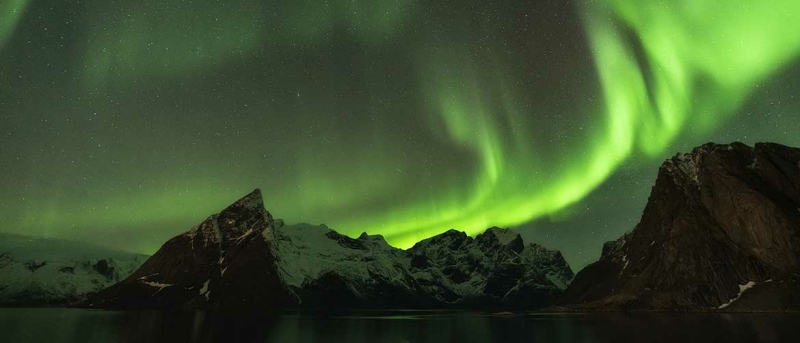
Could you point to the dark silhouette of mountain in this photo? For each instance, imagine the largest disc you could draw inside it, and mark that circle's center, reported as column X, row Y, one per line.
column 719, row 232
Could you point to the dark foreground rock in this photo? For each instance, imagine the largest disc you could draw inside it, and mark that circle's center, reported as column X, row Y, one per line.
column 224, row 261
column 719, row 232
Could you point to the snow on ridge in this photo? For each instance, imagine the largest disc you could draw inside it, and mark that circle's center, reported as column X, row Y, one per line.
column 753, row 165
column 742, row 289
column 306, row 252
column 689, row 165
column 243, row 236
column 627, row 261
column 157, row 284
column 144, row 278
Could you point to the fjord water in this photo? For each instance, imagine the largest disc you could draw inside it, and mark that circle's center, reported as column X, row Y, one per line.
column 78, row 325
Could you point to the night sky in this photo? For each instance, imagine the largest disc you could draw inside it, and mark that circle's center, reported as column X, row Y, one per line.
column 124, row 123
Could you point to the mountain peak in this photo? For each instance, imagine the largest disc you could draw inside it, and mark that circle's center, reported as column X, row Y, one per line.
column 722, row 216
column 504, row 235
column 252, row 201
column 247, row 213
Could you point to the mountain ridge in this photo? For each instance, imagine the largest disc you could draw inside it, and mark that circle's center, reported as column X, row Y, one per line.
column 243, row 257
column 56, row 272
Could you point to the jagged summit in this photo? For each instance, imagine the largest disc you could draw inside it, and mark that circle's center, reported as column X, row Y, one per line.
column 246, row 216
column 224, row 261
column 251, row 205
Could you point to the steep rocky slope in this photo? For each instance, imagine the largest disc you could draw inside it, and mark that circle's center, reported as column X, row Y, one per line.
column 40, row 272
column 224, row 261
column 242, row 258
column 719, row 232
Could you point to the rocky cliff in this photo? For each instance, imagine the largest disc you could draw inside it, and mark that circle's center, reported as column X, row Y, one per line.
column 224, row 261
column 720, row 231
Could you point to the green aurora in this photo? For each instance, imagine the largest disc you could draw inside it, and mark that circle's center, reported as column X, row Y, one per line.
column 695, row 71
column 10, row 12
column 127, row 122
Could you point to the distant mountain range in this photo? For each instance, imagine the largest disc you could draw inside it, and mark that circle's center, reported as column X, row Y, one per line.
column 41, row 271
column 241, row 257
column 720, row 232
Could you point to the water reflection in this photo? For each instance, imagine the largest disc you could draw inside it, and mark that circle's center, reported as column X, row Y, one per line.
column 77, row 325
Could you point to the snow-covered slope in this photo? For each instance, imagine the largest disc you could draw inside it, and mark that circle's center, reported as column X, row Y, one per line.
column 495, row 268
column 325, row 268
column 39, row 271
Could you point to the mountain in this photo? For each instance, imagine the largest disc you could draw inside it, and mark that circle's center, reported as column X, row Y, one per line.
column 495, row 268
column 224, row 261
column 241, row 257
column 40, row 271
column 719, row 232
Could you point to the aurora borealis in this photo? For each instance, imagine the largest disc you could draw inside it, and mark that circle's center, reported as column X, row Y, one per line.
column 125, row 123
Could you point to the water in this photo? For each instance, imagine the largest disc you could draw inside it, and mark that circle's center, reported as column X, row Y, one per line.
column 78, row 325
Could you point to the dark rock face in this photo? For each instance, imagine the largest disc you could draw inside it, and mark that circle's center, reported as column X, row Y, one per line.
column 721, row 226
column 242, row 258
column 224, row 261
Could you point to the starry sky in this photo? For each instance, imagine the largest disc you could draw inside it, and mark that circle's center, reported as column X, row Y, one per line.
column 124, row 123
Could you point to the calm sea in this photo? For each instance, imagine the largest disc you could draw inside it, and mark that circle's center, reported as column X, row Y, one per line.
column 86, row 326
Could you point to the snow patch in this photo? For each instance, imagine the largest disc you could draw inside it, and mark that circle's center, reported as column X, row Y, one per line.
column 204, row 291
column 144, row 278
column 242, row 237
column 624, row 259
column 157, row 284
column 753, row 165
column 742, row 289
column 688, row 164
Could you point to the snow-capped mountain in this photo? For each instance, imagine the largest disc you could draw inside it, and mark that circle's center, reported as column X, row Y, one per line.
column 721, row 231
column 242, row 257
column 495, row 268
column 39, row 271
